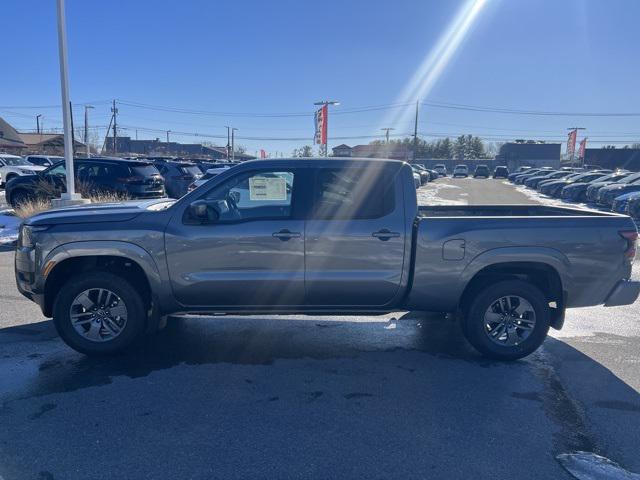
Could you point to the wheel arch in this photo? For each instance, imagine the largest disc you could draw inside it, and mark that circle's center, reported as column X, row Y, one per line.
column 545, row 275
column 121, row 258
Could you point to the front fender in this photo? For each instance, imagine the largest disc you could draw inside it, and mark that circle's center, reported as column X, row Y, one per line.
column 127, row 250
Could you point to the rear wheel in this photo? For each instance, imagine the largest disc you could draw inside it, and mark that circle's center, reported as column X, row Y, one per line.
column 99, row 313
column 507, row 320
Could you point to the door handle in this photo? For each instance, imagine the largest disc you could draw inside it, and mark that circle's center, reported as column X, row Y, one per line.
column 385, row 234
column 285, row 235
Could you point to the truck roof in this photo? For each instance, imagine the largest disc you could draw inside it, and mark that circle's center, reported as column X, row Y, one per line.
column 321, row 161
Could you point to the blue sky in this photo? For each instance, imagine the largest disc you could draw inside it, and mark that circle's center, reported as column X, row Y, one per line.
column 280, row 56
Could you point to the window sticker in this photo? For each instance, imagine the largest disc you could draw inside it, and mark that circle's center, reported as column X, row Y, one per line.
column 267, row 188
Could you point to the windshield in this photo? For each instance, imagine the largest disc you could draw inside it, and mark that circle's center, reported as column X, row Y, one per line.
column 631, row 178
column 15, row 161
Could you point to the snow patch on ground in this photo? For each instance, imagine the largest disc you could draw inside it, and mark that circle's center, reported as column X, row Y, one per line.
column 430, row 195
column 9, row 225
column 544, row 200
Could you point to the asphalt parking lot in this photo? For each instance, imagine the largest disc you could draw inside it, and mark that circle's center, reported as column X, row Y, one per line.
column 399, row 396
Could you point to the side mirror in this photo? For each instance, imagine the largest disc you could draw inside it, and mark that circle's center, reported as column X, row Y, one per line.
column 198, row 209
column 203, row 211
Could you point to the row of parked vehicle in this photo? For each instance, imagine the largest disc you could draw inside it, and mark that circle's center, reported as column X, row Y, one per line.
column 618, row 190
column 481, row 171
column 139, row 178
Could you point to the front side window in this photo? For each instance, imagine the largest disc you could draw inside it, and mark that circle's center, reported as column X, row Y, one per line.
column 353, row 193
column 253, row 195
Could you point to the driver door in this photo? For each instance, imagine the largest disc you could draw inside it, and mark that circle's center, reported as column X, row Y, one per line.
column 247, row 251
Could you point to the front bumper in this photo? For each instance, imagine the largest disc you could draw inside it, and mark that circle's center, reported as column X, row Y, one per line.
column 26, row 279
column 625, row 292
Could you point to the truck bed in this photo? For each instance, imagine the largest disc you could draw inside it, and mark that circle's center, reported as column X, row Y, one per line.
column 507, row 211
column 453, row 243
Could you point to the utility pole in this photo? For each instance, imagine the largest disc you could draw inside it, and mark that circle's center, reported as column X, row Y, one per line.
column 326, row 122
column 115, row 128
column 73, row 131
column 386, row 130
column 228, row 140
column 86, row 128
column 38, row 122
column 233, row 146
column 573, row 153
column 415, row 133
column 70, row 195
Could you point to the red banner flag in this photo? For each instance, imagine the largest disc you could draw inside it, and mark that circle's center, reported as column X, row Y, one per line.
column 320, row 136
column 583, row 147
column 571, row 143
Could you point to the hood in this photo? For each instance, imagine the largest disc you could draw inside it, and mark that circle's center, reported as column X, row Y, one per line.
column 31, row 168
column 93, row 213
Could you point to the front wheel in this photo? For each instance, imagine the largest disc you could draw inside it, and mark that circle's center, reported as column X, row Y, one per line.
column 99, row 313
column 507, row 320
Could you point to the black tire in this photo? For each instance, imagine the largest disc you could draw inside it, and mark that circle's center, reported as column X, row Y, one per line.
column 136, row 313
column 474, row 319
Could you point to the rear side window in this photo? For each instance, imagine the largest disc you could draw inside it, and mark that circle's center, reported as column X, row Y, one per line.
column 145, row 170
column 353, row 193
column 190, row 170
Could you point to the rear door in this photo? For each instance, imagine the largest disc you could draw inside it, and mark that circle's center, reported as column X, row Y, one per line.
column 355, row 236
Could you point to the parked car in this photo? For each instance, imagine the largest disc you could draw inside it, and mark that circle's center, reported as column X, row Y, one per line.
column 519, row 171
column 594, row 190
column 501, row 171
column 520, row 179
column 532, row 182
column 621, row 203
column 606, row 195
column 425, row 176
column 577, row 192
column 44, row 160
column 460, row 171
column 417, row 179
column 178, row 176
column 130, row 178
column 512, row 270
column 558, row 185
column 547, row 186
column 481, row 171
column 633, row 208
column 12, row 166
column 209, row 174
column 441, row 169
column 205, row 165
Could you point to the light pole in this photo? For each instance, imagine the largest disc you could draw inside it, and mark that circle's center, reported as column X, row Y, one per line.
column 326, row 121
column 386, row 130
column 86, row 128
column 228, row 140
column 38, row 122
column 233, row 146
column 70, row 197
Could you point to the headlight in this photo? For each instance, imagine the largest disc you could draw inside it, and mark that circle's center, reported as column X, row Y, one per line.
column 25, row 172
column 28, row 234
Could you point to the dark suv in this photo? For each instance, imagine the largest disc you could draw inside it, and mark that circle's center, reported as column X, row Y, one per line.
column 130, row 178
column 481, row 171
column 501, row 172
column 178, row 175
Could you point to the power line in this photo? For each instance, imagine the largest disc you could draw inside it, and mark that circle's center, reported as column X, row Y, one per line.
column 477, row 108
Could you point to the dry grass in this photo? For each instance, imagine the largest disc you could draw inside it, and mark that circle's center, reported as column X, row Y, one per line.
column 38, row 205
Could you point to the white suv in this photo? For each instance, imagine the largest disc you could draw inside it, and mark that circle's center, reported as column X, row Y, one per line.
column 14, row 166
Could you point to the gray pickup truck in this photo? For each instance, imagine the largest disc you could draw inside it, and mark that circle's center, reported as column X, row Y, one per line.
column 321, row 236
